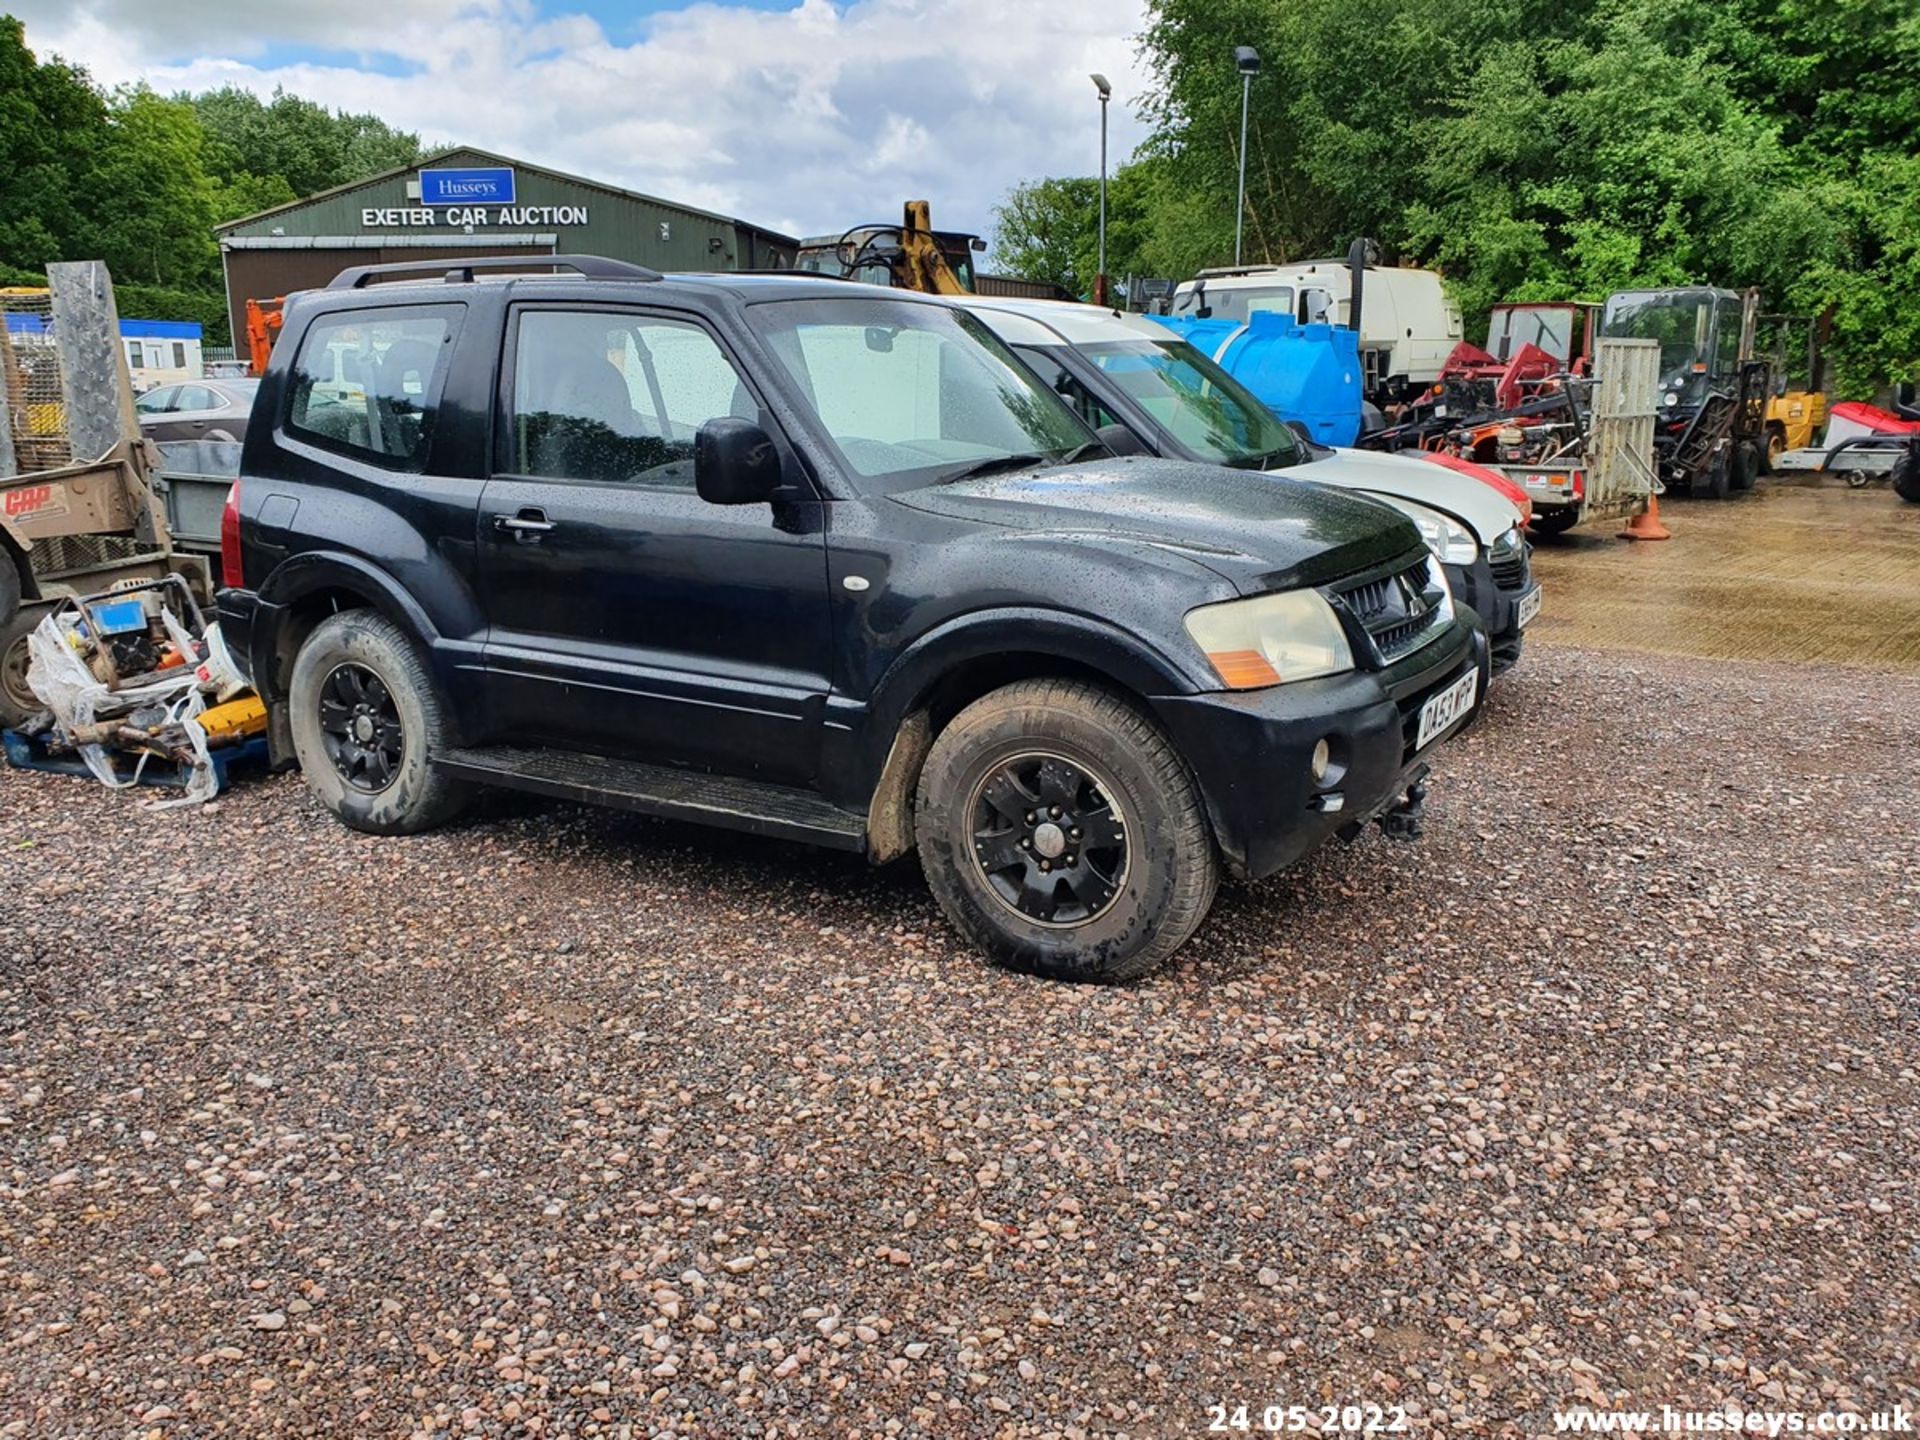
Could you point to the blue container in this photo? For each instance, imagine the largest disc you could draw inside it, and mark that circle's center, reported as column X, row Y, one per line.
column 1309, row 373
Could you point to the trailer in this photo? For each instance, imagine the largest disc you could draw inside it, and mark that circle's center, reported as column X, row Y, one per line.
column 83, row 507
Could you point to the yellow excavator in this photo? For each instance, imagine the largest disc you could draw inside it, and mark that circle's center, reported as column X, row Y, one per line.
column 909, row 256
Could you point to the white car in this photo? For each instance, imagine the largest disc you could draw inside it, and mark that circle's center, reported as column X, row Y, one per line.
column 1170, row 400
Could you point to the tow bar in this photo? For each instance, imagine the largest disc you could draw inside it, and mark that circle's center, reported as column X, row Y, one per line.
column 1401, row 820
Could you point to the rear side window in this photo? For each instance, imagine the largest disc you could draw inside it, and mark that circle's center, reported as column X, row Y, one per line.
column 367, row 382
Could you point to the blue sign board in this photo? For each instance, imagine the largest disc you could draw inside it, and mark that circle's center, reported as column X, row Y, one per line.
column 492, row 186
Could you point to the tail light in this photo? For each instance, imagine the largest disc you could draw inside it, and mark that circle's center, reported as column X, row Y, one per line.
column 233, row 573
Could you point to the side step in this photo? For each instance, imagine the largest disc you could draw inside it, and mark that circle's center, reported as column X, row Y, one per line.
column 733, row 804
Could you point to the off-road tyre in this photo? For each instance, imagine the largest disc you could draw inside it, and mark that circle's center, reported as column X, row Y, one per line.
column 1171, row 869
column 1717, row 479
column 1906, row 475
column 354, row 647
column 1746, row 465
column 18, row 704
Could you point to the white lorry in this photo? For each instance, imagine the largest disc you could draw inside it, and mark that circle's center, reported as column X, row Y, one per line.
column 1406, row 323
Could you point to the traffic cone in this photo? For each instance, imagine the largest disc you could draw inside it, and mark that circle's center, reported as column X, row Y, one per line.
column 1646, row 525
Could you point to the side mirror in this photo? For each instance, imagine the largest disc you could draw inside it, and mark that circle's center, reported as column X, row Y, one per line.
column 735, row 462
column 1120, row 440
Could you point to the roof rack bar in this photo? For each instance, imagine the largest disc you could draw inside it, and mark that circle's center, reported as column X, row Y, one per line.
column 592, row 267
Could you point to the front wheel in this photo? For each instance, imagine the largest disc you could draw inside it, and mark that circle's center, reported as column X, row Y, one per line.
column 366, row 724
column 1717, row 479
column 1062, row 834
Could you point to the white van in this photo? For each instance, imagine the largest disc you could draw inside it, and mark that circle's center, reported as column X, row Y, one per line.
column 1408, row 323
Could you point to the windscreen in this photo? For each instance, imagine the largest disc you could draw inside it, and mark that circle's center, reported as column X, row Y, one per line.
column 1681, row 320
column 1550, row 327
column 1195, row 401
column 1234, row 304
column 910, row 393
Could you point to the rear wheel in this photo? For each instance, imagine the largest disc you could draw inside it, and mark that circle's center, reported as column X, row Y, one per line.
column 1906, row 474
column 366, row 724
column 1062, row 835
column 1776, row 447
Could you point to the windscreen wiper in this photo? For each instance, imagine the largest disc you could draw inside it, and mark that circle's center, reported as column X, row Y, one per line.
column 994, row 465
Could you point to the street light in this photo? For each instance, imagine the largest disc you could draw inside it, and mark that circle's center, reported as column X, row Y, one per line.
column 1100, row 279
column 1247, row 60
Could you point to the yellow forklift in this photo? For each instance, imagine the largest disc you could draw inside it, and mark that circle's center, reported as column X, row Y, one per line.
column 1797, row 399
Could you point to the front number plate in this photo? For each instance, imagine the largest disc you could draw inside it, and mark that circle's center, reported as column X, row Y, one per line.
column 1529, row 607
column 1442, row 711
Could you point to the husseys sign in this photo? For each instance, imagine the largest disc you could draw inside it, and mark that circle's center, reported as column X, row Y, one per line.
column 479, row 195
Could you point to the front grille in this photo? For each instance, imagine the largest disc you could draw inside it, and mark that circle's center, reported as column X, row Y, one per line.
column 1511, row 570
column 1399, row 610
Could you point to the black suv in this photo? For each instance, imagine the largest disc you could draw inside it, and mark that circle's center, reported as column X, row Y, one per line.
column 819, row 561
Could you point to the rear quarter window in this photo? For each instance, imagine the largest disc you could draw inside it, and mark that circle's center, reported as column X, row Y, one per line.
column 367, row 382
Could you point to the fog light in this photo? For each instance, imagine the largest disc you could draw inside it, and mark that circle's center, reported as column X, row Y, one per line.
column 1322, row 758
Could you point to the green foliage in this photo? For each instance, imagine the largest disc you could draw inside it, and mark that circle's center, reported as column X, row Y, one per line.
column 304, row 146
column 1536, row 150
column 139, row 180
column 1050, row 229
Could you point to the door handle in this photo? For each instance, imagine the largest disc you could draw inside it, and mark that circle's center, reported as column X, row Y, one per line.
column 527, row 527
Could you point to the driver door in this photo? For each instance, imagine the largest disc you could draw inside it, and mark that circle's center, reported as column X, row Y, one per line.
column 626, row 615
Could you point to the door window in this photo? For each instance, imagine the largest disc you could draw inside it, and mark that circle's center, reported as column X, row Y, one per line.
column 1066, row 386
column 196, row 397
column 368, row 382
column 617, row 398
column 157, row 402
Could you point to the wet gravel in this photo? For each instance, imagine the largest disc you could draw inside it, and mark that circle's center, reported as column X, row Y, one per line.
column 570, row 1123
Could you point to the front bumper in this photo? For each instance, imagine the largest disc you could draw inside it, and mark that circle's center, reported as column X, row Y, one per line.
column 1502, row 599
column 1252, row 750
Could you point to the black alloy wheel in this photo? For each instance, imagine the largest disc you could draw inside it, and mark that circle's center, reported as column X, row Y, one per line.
column 360, row 726
column 1048, row 840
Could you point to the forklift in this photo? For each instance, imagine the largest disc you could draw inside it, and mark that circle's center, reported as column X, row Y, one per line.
column 1797, row 406
column 1710, row 429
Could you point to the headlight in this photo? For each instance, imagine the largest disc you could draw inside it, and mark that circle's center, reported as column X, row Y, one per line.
column 1271, row 639
column 1450, row 541
column 1507, row 542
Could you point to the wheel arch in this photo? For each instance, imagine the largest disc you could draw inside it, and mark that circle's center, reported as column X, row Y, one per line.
column 305, row 591
column 971, row 657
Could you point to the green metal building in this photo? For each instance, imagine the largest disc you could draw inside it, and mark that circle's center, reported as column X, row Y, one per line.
column 462, row 203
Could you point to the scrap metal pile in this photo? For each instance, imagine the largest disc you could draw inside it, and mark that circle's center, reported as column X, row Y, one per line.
column 132, row 676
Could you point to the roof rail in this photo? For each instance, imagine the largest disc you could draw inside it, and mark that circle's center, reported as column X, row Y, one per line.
column 593, row 267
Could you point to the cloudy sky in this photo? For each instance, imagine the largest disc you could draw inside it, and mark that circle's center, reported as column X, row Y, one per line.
column 806, row 115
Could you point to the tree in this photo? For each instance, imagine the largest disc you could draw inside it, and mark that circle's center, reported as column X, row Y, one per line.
column 307, row 147
column 153, row 210
column 1046, row 231
column 52, row 122
column 1539, row 150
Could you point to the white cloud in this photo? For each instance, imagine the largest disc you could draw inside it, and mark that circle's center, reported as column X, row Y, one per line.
column 808, row 119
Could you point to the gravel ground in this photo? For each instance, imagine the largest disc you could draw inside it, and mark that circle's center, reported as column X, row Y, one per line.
column 570, row 1123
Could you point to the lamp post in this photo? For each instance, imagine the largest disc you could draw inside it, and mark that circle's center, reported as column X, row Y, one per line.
column 1247, row 60
column 1100, row 279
